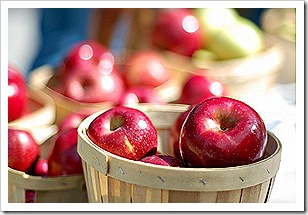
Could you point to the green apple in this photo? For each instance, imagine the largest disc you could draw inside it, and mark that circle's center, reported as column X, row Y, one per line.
column 229, row 35
column 213, row 20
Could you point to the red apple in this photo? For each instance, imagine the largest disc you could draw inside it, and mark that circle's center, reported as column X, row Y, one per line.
column 163, row 160
column 146, row 68
column 64, row 159
column 136, row 95
column 124, row 131
column 17, row 94
column 23, row 150
column 85, row 54
column 30, row 196
column 72, row 120
column 177, row 30
column 89, row 74
column 175, row 130
column 41, row 167
column 198, row 88
column 222, row 132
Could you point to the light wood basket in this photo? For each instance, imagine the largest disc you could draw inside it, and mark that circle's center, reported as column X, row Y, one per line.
column 111, row 178
column 60, row 189
column 41, row 117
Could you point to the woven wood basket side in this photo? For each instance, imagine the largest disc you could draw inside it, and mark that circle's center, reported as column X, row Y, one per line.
column 105, row 189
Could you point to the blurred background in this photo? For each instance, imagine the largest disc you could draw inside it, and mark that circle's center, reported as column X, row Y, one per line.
column 262, row 72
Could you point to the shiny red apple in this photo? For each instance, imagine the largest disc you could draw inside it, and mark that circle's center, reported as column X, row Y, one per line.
column 124, row 131
column 198, row 88
column 23, row 150
column 222, row 132
column 137, row 95
column 89, row 74
column 146, row 68
column 85, row 53
column 64, row 159
column 17, row 94
column 163, row 160
column 41, row 167
column 177, row 30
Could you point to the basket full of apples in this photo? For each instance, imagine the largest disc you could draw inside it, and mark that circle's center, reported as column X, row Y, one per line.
column 49, row 172
column 215, row 151
column 91, row 78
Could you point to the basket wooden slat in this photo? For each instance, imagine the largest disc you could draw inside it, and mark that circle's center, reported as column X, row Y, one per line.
column 116, row 179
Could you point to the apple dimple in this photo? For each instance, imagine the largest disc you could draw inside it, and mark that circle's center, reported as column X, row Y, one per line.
column 116, row 122
column 226, row 120
column 86, row 82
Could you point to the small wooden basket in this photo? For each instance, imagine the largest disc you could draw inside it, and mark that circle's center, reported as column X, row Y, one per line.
column 110, row 178
column 60, row 189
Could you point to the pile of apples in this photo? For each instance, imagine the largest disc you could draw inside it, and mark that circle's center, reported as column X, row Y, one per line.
column 90, row 74
column 217, row 132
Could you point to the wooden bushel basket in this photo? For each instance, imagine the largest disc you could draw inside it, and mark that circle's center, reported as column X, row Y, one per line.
column 61, row 189
column 110, row 178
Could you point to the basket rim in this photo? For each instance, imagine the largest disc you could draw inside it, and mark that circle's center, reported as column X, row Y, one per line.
column 197, row 179
column 31, row 182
